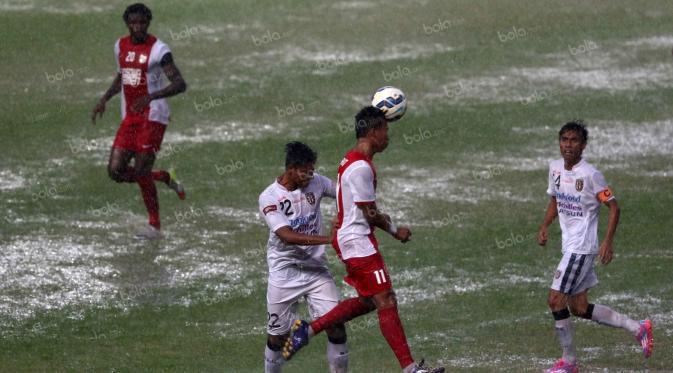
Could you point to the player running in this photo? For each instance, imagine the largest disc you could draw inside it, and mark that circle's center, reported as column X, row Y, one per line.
column 577, row 191
column 296, row 256
column 357, row 247
column 141, row 59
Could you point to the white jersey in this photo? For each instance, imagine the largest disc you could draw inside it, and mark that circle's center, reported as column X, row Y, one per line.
column 300, row 210
column 579, row 194
column 356, row 184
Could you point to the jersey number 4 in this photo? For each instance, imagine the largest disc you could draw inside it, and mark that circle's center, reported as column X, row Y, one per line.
column 557, row 181
column 380, row 276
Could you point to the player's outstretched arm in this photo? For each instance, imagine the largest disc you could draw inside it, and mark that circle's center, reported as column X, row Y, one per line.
column 288, row 236
column 115, row 88
column 549, row 217
column 178, row 84
column 605, row 252
column 383, row 221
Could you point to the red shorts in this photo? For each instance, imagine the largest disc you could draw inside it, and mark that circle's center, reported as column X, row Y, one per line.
column 139, row 135
column 368, row 275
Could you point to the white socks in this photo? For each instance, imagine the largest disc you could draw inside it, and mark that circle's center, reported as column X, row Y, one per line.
column 565, row 337
column 409, row 368
column 337, row 357
column 606, row 316
column 273, row 361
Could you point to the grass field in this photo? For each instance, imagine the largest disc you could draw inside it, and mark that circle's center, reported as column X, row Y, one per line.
column 489, row 85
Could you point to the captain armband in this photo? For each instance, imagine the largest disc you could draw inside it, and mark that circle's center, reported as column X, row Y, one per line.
column 605, row 196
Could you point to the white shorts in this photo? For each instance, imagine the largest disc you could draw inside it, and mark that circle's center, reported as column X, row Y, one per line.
column 320, row 293
column 575, row 273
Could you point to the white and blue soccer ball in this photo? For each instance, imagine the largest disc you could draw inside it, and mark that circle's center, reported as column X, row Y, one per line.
column 392, row 101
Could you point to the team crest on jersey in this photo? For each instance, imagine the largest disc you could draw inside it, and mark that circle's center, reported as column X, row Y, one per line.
column 142, row 58
column 557, row 274
column 579, row 184
column 310, row 197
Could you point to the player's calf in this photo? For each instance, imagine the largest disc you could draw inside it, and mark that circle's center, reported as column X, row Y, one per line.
column 122, row 174
column 386, row 299
column 584, row 311
column 273, row 358
column 337, row 349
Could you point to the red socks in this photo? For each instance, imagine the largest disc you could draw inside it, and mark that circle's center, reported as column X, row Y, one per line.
column 162, row 176
column 391, row 328
column 344, row 311
column 149, row 192
column 389, row 322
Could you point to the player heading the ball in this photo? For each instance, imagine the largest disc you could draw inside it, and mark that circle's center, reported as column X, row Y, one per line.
column 357, row 246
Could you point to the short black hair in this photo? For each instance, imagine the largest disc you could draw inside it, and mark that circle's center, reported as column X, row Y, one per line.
column 137, row 8
column 298, row 154
column 367, row 119
column 577, row 126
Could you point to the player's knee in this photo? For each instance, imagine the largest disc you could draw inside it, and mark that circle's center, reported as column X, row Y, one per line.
column 368, row 302
column 275, row 342
column 555, row 303
column 575, row 309
column 584, row 311
column 337, row 334
column 115, row 174
column 385, row 300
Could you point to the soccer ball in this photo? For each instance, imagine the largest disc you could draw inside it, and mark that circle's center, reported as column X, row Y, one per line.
column 392, row 101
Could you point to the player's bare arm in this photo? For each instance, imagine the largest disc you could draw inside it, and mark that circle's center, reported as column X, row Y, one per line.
column 383, row 221
column 178, row 84
column 115, row 88
column 605, row 252
column 549, row 217
column 288, row 236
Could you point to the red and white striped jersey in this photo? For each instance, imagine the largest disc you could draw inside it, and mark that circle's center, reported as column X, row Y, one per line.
column 356, row 184
column 141, row 73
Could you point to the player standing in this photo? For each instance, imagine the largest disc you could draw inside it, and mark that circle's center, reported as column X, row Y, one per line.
column 577, row 191
column 296, row 256
column 141, row 59
column 357, row 246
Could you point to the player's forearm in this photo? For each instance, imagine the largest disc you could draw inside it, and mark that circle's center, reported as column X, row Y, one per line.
column 294, row 238
column 613, row 221
column 115, row 88
column 380, row 220
column 551, row 214
column 383, row 221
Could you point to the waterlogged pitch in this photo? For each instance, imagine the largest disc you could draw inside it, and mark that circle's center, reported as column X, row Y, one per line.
column 488, row 86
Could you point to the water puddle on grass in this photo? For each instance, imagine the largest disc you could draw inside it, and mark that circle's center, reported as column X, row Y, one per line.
column 9, row 180
column 331, row 56
column 77, row 7
column 223, row 132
